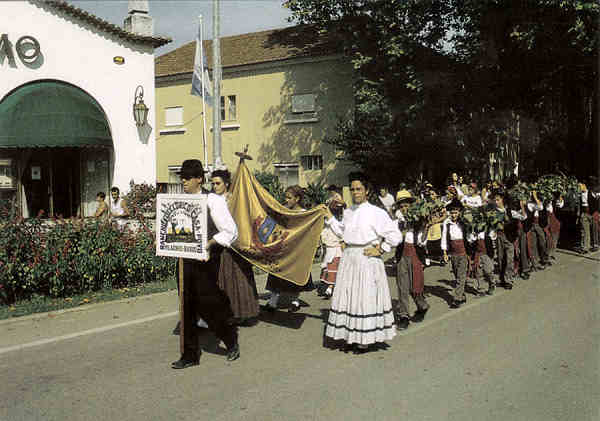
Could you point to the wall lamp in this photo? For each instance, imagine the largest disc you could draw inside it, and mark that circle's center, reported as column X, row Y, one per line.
column 140, row 110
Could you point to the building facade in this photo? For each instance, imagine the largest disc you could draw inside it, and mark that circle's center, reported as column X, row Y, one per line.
column 67, row 129
column 282, row 93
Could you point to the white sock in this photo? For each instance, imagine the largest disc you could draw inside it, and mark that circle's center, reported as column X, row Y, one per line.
column 201, row 323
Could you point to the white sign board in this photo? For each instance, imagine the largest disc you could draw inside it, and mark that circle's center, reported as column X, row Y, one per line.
column 181, row 226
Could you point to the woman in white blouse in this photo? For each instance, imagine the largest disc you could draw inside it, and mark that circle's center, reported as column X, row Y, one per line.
column 361, row 308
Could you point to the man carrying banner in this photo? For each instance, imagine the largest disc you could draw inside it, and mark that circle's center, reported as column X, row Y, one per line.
column 201, row 295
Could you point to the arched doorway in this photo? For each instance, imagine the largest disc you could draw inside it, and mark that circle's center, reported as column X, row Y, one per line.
column 55, row 149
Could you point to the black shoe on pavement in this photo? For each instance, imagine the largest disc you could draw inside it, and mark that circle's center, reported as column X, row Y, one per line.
column 268, row 308
column 506, row 285
column 525, row 275
column 177, row 329
column 403, row 323
column 491, row 290
column 594, row 249
column 184, row 363
column 419, row 315
column 458, row 303
column 234, row 353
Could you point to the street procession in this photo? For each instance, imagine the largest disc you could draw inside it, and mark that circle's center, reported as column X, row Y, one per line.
column 299, row 210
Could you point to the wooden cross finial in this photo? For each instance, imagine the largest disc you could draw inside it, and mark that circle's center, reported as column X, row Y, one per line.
column 244, row 155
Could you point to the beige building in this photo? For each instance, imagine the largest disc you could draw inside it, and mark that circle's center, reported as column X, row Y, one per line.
column 282, row 93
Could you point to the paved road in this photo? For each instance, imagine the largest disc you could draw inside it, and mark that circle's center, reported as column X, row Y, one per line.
column 527, row 354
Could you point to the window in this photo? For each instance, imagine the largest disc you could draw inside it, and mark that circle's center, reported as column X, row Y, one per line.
column 7, row 176
column 303, row 104
column 228, row 108
column 287, row 173
column 312, row 162
column 174, row 116
column 174, row 186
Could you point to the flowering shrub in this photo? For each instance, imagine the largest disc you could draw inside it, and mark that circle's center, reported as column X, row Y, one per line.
column 141, row 198
column 68, row 257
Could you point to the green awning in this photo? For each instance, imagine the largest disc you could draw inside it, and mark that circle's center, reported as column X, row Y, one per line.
column 50, row 114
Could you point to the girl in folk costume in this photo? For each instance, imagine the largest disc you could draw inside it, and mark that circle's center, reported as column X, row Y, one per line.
column 536, row 237
column 333, row 244
column 236, row 277
column 278, row 286
column 361, row 307
column 522, row 264
column 453, row 241
column 409, row 274
column 594, row 202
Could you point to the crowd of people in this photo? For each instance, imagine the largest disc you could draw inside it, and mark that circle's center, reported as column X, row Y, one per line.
column 493, row 235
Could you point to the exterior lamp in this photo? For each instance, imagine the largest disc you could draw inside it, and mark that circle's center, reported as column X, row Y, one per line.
column 140, row 110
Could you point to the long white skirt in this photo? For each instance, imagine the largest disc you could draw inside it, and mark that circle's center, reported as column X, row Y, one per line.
column 361, row 306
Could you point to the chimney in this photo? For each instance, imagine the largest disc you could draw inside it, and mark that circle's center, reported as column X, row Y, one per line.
column 138, row 20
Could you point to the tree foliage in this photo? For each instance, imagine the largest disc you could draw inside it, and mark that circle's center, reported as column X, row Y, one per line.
column 457, row 79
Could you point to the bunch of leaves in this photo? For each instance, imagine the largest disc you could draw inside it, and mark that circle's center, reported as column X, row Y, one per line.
column 315, row 194
column 495, row 219
column 141, row 198
column 271, row 183
column 518, row 192
column 475, row 220
column 423, row 211
column 549, row 185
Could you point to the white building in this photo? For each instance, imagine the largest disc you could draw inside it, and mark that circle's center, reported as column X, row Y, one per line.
column 67, row 129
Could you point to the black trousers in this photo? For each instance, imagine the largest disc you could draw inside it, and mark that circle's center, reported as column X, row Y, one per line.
column 203, row 298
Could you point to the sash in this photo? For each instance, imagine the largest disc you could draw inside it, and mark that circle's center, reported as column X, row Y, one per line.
column 418, row 278
column 457, row 248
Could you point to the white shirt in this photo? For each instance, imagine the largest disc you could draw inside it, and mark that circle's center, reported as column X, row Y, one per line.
column 534, row 208
column 472, row 201
column 388, row 201
column 220, row 215
column 115, row 207
column 472, row 237
column 453, row 229
column 559, row 204
column 366, row 224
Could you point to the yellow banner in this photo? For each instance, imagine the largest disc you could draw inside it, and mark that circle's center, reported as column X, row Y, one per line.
column 274, row 238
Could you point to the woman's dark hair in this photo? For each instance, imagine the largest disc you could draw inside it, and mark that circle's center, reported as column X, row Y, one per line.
column 101, row 194
column 115, row 189
column 224, row 175
column 296, row 190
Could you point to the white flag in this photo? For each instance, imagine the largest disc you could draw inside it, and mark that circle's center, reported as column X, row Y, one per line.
column 201, row 85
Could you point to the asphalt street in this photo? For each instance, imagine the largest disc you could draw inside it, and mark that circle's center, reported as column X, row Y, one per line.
column 531, row 353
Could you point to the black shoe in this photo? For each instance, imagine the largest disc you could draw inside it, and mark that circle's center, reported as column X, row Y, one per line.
column 177, row 329
column 458, row 303
column 420, row 315
column 403, row 323
column 491, row 290
column 525, row 275
column 506, row 285
column 358, row 350
column 268, row 308
column 294, row 307
column 184, row 363
column 594, row 249
column 234, row 353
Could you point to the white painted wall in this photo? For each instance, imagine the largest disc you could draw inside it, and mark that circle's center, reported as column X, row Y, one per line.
column 81, row 55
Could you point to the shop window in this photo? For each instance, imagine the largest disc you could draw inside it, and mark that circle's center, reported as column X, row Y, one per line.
column 312, row 162
column 287, row 173
column 7, row 174
column 174, row 116
column 228, row 108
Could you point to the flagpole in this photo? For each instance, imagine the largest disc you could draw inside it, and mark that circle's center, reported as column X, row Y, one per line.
column 216, row 86
column 203, row 89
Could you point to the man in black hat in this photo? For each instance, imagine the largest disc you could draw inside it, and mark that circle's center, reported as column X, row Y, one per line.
column 201, row 294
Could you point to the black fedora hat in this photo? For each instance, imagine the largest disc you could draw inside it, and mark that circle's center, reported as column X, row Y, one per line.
column 191, row 168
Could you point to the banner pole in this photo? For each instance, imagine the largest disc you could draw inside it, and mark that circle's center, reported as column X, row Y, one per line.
column 181, row 308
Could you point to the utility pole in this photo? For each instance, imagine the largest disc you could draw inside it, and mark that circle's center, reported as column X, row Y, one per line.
column 217, row 86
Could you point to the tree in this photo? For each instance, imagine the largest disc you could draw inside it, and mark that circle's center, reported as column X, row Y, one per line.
column 452, row 78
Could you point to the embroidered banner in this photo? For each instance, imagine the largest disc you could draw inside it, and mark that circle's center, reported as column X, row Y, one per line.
column 181, row 225
column 278, row 240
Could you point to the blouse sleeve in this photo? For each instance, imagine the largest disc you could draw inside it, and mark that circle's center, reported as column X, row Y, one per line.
column 388, row 230
column 226, row 227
